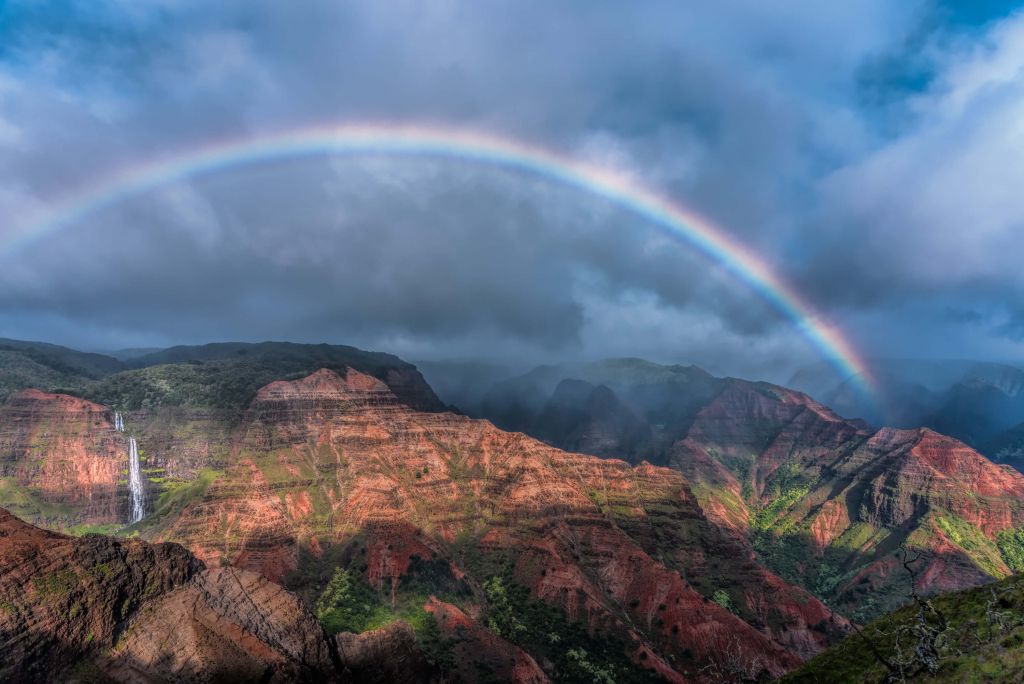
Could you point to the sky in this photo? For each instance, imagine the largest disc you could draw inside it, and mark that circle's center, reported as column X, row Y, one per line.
column 870, row 153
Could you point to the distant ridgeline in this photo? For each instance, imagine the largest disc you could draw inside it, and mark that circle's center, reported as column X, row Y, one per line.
column 218, row 376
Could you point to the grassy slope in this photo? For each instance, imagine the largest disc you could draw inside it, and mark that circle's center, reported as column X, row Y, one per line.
column 969, row 652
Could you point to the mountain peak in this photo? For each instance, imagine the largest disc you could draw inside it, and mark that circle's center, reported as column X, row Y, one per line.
column 326, row 384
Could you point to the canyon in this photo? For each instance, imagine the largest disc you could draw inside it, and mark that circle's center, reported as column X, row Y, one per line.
column 823, row 500
column 767, row 522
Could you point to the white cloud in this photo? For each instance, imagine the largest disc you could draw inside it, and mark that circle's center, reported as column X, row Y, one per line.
column 941, row 206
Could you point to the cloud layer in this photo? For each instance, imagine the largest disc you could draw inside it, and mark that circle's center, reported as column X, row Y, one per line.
column 871, row 154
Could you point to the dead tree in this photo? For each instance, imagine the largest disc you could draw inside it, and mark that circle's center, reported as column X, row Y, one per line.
column 996, row 619
column 926, row 634
column 928, row 628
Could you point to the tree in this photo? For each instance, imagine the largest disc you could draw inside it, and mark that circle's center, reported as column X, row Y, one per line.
column 924, row 636
column 501, row 615
column 346, row 604
column 722, row 598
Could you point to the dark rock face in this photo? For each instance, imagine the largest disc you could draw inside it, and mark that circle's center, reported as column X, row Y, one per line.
column 389, row 655
column 225, row 625
column 64, row 600
column 116, row 610
column 591, row 420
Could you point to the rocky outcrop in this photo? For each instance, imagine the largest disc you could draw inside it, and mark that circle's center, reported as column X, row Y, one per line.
column 121, row 610
column 225, row 625
column 65, row 600
column 479, row 649
column 388, row 655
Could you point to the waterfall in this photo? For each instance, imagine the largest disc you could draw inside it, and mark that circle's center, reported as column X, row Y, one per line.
column 135, row 480
column 118, row 421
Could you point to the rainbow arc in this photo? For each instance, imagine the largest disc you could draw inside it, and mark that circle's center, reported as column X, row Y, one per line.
column 669, row 217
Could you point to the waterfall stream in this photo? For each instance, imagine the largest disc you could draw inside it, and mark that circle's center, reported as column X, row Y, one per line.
column 134, row 473
column 135, row 481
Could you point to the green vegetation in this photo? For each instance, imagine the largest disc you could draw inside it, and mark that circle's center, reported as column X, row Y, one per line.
column 501, row 614
column 225, row 376
column 348, row 604
column 1011, row 546
column 109, row 530
column 979, row 548
column 55, row 584
column 48, row 366
column 764, row 519
column 984, row 641
column 178, row 493
column 546, row 633
column 785, row 550
column 101, row 571
column 590, row 670
column 722, row 598
column 22, row 502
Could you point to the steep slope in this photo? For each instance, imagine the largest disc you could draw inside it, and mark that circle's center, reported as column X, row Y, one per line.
column 827, row 501
column 591, row 420
column 61, row 460
column 97, row 609
column 334, row 471
column 982, row 641
column 824, row 501
column 41, row 365
column 329, row 461
column 969, row 400
column 62, row 599
column 647, row 406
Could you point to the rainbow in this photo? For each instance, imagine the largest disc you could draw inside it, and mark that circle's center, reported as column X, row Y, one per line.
column 674, row 220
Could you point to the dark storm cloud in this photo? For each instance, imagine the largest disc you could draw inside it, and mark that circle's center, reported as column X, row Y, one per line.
column 752, row 113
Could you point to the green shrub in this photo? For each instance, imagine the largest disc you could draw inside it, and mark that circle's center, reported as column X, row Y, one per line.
column 347, row 604
column 722, row 598
column 501, row 616
column 1011, row 547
